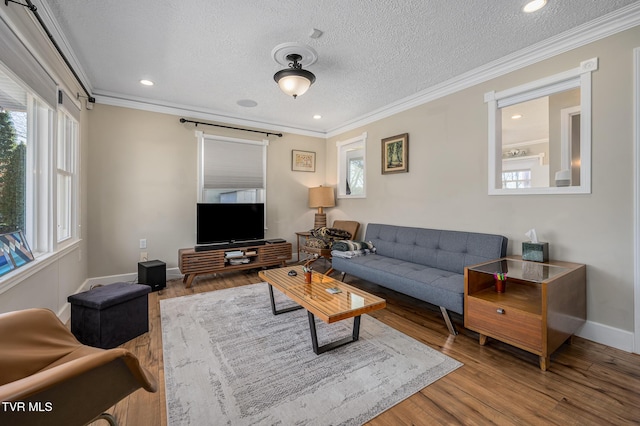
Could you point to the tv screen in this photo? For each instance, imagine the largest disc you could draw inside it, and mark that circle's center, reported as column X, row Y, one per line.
column 223, row 223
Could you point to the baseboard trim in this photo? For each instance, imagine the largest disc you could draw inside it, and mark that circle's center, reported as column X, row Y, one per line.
column 607, row 335
column 65, row 312
column 596, row 332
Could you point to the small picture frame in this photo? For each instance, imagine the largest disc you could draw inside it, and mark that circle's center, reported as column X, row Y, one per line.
column 395, row 154
column 303, row 161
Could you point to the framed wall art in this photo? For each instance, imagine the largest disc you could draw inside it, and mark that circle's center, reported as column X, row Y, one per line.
column 303, row 161
column 395, row 154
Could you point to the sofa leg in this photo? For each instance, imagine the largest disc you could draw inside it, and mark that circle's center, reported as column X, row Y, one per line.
column 342, row 275
column 447, row 320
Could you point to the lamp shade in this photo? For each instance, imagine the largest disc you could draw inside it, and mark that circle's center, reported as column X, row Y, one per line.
column 321, row 196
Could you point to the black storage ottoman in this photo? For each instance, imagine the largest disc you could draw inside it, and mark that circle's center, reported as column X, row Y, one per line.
column 108, row 316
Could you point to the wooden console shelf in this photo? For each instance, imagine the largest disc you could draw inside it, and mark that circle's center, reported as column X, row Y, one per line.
column 542, row 306
column 193, row 263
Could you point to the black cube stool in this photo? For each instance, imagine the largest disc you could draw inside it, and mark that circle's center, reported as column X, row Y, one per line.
column 108, row 316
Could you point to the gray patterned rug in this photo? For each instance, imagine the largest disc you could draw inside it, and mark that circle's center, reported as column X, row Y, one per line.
column 229, row 361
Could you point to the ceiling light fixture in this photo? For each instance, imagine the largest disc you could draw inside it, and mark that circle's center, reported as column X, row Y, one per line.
column 317, row 117
column 146, row 82
column 294, row 81
column 534, row 5
column 516, row 116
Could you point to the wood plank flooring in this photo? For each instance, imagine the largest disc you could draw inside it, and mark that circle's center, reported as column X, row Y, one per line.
column 586, row 384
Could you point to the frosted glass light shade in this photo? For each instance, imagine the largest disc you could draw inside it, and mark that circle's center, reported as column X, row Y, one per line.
column 294, row 85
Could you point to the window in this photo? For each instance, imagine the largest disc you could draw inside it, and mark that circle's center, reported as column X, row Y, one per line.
column 25, row 141
column 231, row 170
column 352, row 167
column 67, row 179
column 516, row 179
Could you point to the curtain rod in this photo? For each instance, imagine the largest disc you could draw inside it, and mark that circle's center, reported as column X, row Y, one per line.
column 184, row 120
column 34, row 10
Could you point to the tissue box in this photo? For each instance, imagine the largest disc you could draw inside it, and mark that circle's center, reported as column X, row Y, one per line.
column 535, row 252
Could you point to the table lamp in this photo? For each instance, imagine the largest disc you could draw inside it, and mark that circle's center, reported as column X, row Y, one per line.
column 321, row 197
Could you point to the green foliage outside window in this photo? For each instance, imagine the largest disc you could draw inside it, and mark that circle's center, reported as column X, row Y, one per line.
column 12, row 177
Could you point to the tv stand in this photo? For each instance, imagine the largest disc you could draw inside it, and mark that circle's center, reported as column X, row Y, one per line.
column 258, row 254
column 231, row 244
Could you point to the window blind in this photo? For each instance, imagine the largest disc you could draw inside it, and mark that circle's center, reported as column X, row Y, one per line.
column 233, row 164
column 15, row 56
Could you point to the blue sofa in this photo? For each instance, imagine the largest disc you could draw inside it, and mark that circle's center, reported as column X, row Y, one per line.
column 427, row 264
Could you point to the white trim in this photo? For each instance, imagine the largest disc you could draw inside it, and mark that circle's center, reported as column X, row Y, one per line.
column 565, row 135
column 579, row 77
column 636, row 198
column 605, row 26
column 607, row 335
column 597, row 29
column 114, row 99
column 341, row 188
column 19, row 275
column 64, row 313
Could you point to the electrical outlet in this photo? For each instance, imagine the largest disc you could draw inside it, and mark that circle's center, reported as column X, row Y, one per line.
column 143, row 243
column 144, row 256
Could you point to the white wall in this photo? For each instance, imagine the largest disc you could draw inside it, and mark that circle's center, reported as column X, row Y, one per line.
column 48, row 281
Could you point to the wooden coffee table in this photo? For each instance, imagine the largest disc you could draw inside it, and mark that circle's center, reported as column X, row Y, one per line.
column 350, row 302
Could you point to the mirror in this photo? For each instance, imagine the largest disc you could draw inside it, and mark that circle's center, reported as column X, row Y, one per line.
column 540, row 135
column 352, row 167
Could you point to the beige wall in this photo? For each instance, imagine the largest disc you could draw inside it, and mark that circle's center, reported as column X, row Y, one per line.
column 142, row 181
column 447, row 183
column 142, row 184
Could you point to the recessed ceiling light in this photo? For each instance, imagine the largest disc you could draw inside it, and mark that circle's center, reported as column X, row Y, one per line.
column 516, row 116
column 317, row 116
column 534, row 5
column 146, row 82
column 247, row 103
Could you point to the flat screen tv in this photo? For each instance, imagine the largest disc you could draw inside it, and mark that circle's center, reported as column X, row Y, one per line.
column 233, row 222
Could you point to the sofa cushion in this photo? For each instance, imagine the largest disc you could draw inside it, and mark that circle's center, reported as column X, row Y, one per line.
column 436, row 286
column 441, row 249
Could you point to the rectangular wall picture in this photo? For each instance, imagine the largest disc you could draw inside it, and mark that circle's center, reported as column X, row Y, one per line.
column 303, row 161
column 395, row 154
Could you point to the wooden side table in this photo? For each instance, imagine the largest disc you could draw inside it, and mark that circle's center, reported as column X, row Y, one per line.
column 542, row 306
column 299, row 234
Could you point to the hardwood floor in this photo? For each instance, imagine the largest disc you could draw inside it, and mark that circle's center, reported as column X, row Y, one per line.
column 586, row 384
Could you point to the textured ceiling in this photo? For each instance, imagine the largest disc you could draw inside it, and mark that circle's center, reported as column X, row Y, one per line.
column 208, row 54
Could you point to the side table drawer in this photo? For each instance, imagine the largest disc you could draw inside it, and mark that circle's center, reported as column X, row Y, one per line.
column 512, row 326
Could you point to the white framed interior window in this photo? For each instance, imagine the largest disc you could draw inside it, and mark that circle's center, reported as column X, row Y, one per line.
column 549, row 119
column 67, row 177
column 352, row 167
column 231, row 170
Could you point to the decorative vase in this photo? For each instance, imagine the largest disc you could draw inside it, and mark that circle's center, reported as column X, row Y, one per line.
column 307, row 277
column 500, row 286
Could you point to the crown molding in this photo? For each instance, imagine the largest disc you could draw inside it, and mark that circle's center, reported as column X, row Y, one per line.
column 126, row 101
column 54, row 28
column 597, row 29
column 602, row 27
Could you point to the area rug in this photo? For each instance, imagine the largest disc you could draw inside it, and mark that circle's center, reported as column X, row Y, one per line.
column 229, row 361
